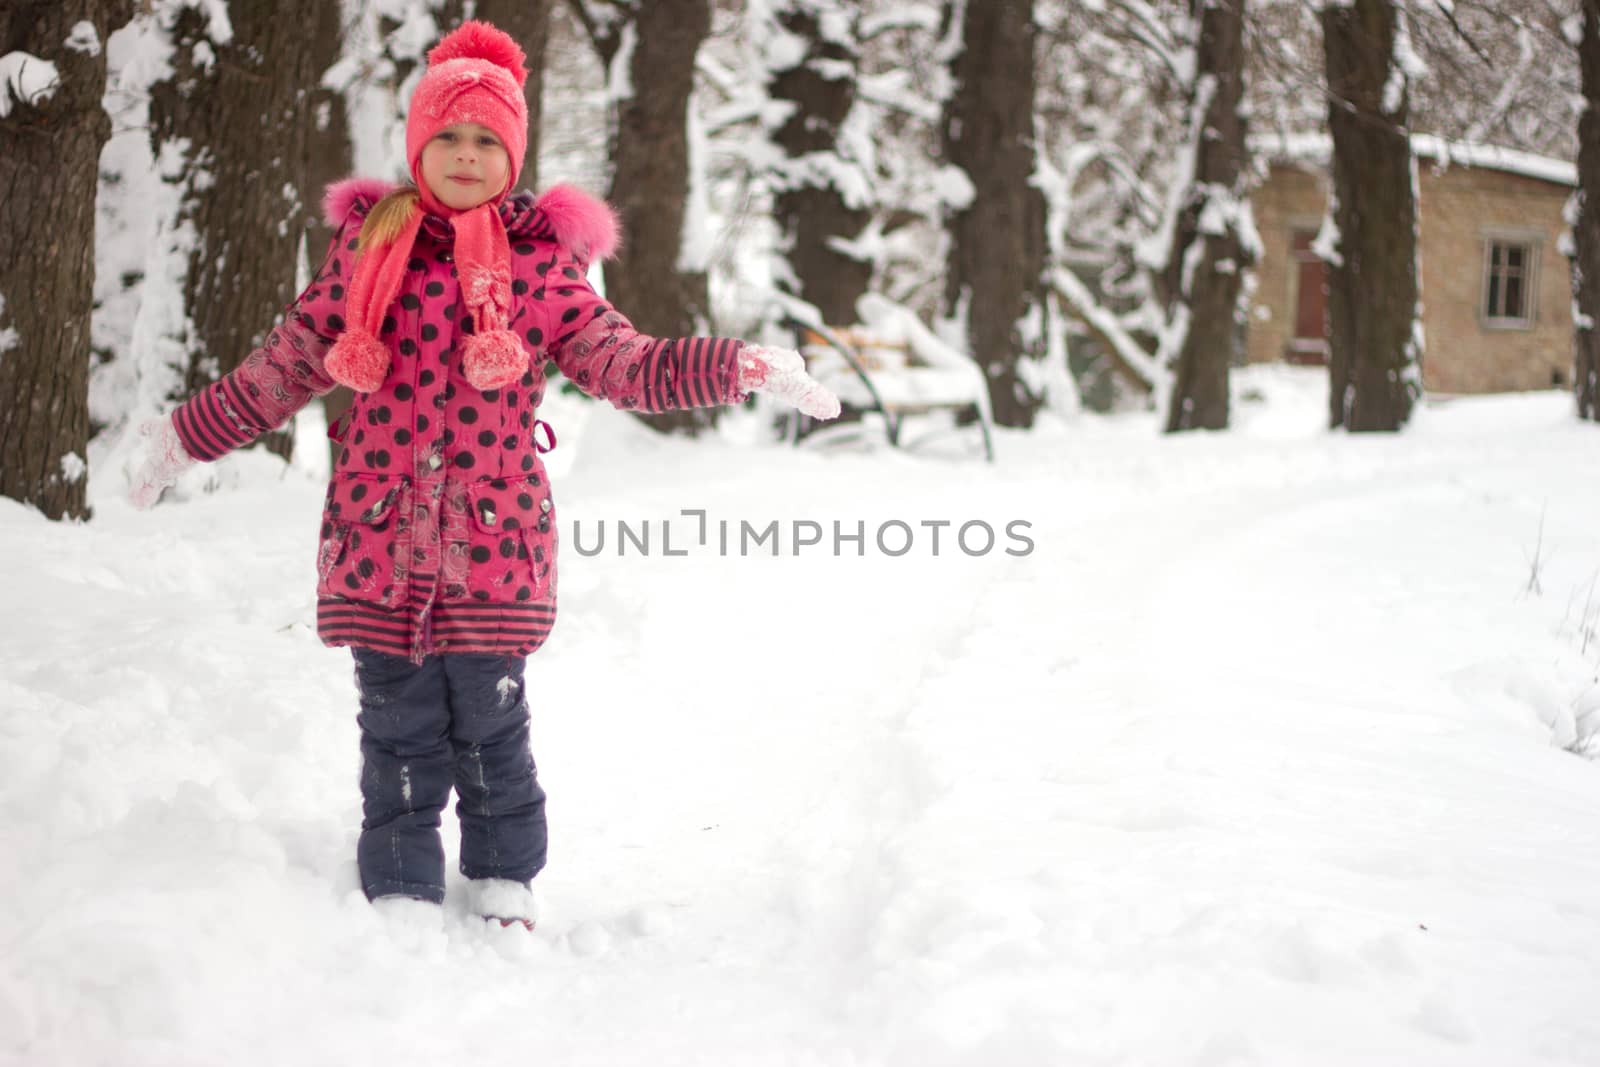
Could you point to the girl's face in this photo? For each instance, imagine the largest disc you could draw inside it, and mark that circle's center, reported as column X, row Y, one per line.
column 464, row 165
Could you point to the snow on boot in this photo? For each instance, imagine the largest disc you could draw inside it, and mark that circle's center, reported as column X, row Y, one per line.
column 500, row 900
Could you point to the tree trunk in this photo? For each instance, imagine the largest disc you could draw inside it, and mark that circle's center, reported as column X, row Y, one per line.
column 650, row 185
column 1586, row 223
column 812, row 208
column 528, row 22
column 50, row 146
column 331, row 157
column 241, row 106
column 1374, row 337
column 650, row 168
column 997, row 241
column 1216, row 215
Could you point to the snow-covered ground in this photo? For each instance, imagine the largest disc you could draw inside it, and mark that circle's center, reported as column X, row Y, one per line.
column 1266, row 753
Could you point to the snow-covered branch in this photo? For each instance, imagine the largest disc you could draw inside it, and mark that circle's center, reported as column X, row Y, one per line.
column 1126, row 352
column 26, row 79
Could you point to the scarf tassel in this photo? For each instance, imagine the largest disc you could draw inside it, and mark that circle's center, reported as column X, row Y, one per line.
column 358, row 359
column 493, row 359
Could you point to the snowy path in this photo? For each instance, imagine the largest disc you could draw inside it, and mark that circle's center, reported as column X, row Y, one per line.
column 1256, row 759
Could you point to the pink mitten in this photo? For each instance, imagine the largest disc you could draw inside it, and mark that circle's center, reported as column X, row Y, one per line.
column 781, row 374
column 164, row 460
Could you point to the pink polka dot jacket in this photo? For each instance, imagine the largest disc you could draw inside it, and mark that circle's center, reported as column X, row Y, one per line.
column 439, row 532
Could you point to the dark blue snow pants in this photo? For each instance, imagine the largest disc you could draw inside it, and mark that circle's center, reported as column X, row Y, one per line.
column 455, row 719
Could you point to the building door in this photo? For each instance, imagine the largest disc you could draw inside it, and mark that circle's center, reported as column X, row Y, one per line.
column 1309, row 343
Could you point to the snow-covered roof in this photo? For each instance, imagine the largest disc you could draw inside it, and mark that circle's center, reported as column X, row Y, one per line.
column 1318, row 147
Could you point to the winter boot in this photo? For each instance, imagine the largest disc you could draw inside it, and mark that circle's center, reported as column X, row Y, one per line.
column 500, row 900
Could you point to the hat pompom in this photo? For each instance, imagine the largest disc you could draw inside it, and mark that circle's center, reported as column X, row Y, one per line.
column 494, row 358
column 359, row 360
column 479, row 40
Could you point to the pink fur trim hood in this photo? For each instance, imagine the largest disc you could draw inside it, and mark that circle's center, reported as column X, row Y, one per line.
column 341, row 196
column 584, row 225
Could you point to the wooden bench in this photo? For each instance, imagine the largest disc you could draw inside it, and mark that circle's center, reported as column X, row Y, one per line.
column 893, row 366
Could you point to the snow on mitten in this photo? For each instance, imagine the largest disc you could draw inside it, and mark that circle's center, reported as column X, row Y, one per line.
column 164, row 459
column 781, row 374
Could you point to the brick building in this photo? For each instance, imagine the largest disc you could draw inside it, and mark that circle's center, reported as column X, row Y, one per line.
column 1496, row 291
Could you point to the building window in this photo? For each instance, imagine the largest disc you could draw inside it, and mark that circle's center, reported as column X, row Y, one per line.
column 1508, row 295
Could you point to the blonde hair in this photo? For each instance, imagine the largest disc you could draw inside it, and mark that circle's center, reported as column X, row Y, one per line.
column 389, row 216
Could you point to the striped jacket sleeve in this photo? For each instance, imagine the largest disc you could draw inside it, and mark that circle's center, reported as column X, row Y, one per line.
column 598, row 349
column 280, row 377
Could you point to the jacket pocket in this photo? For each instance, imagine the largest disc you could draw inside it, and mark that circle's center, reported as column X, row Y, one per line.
column 363, row 523
column 511, row 541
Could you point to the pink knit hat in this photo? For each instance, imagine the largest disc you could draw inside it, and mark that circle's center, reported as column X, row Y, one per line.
column 474, row 75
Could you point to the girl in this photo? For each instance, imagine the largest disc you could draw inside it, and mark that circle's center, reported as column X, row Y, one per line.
column 439, row 304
